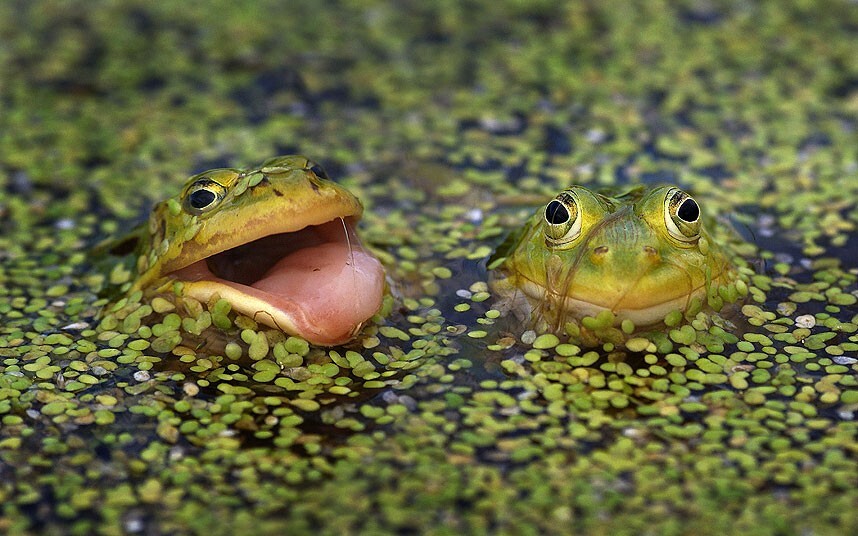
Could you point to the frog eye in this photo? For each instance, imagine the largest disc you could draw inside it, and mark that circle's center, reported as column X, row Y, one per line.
column 681, row 215
column 562, row 219
column 202, row 196
column 318, row 170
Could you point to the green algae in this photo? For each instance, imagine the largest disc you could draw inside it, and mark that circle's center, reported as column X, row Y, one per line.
column 451, row 122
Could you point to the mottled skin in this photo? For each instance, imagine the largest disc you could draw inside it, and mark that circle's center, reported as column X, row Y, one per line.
column 639, row 255
column 283, row 194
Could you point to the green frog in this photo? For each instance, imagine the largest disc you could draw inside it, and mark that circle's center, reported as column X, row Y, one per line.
column 276, row 241
column 599, row 266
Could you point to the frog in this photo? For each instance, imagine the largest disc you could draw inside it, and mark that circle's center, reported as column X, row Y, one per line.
column 277, row 241
column 610, row 265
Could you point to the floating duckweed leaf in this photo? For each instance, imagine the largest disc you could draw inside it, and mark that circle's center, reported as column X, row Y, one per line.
column 673, row 318
column 165, row 343
column 545, row 341
column 637, row 344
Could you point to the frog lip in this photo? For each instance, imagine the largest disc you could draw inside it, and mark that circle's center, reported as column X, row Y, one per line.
column 317, row 282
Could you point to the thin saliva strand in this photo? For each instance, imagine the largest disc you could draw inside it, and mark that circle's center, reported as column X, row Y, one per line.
column 351, row 252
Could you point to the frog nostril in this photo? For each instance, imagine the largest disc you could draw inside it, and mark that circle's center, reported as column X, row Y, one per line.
column 600, row 250
column 649, row 250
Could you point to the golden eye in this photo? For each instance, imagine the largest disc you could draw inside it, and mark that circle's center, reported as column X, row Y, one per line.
column 317, row 170
column 562, row 219
column 681, row 215
column 203, row 195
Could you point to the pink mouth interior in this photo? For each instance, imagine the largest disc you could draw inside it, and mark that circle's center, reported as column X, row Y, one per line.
column 320, row 277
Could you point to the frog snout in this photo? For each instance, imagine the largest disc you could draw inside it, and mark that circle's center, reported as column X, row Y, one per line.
column 640, row 256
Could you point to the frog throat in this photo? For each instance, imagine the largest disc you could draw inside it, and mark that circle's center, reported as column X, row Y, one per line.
column 641, row 310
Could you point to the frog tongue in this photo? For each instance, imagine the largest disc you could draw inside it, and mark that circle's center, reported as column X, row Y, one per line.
column 331, row 290
column 309, row 284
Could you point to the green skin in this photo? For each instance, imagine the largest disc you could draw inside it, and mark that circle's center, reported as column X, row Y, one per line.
column 292, row 197
column 229, row 210
column 635, row 257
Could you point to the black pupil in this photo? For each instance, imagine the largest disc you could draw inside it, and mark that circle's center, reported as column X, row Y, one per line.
column 201, row 198
column 688, row 210
column 317, row 169
column 556, row 213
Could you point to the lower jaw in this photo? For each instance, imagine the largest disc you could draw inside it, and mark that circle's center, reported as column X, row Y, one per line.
column 562, row 309
column 323, row 291
column 321, row 329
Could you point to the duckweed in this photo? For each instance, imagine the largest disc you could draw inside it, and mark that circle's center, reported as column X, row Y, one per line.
column 161, row 415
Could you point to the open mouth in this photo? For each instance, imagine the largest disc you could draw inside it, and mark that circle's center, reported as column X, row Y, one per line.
column 318, row 283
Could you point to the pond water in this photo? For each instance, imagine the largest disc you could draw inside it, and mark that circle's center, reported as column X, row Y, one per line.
column 452, row 122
